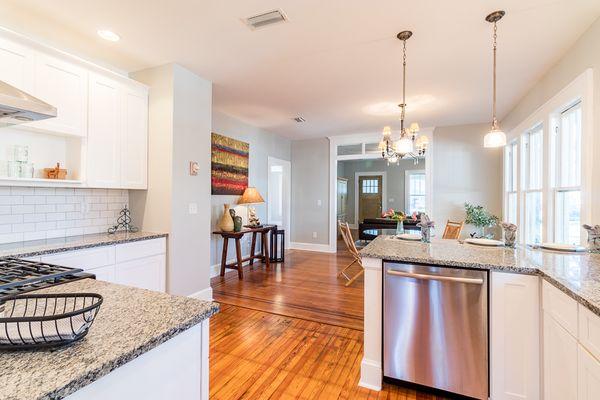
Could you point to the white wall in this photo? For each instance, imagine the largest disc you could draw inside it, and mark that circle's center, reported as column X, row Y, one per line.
column 263, row 145
column 585, row 53
column 464, row 171
column 179, row 132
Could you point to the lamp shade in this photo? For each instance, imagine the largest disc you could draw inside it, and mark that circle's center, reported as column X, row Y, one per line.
column 494, row 138
column 251, row 196
column 404, row 146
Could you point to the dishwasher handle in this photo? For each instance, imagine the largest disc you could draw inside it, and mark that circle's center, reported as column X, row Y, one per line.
column 427, row 277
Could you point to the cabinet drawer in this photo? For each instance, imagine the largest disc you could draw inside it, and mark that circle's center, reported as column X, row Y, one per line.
column 560, row 306
column 106, row 273
column 589, row 331
column 140, row 249
column 145, row 273
column 84, row 259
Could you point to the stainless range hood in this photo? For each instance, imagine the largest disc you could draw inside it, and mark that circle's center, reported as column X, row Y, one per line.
column 18, row 107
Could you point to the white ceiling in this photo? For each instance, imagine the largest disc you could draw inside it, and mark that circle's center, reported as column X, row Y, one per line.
column 337, row 63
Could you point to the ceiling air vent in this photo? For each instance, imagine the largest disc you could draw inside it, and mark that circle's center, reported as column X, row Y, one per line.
column 299, row 119
column 264, row 19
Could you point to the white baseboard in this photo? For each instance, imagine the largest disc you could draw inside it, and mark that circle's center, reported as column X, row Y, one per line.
column 215, row 269
column 371, row 374
column 204, row 294
column 322, row 248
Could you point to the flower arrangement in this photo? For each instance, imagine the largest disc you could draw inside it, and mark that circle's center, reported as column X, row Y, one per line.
column 394, row 215
column 479, row 216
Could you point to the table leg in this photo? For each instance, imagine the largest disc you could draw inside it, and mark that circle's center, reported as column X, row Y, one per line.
column 252, row 248
column 265, row 246
column 238, row 251
column 224, row 255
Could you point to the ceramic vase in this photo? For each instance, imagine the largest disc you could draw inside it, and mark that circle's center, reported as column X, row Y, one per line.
column 226, row 222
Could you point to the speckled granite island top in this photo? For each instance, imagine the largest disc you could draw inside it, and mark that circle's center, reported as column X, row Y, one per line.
column 576, row 274
column 49, row 246
column 130, row 322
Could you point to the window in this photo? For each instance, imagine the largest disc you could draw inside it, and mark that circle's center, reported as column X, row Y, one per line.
column 370, row 186
column 566, row 175
column 510, row 185
column 415, row 191
column 532, row 182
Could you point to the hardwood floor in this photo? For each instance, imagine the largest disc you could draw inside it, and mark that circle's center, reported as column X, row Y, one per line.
column 294, row 332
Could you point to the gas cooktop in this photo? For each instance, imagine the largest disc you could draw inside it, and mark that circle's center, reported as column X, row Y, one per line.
column 20, row 276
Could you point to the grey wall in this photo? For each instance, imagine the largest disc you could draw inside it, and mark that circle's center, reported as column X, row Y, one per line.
column 262, row 145
column 395, row 179
column 310, row 191
column 585, row 53
column 464, row 171
column 179, row 132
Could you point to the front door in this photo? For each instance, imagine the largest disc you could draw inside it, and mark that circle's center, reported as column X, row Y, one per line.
column 369, row 196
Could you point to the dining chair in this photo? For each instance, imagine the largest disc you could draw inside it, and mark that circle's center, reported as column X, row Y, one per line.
column 453, row 230
column 349, row 241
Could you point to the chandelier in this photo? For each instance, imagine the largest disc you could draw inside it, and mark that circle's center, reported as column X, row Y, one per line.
column 495, row 137
column 408, row 145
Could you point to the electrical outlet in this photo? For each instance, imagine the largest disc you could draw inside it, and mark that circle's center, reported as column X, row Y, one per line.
column 193, row 208
column 314, row 235
column 319, row 203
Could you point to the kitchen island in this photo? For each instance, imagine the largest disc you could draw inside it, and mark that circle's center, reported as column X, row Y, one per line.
column 143, row 344
column 524, row 273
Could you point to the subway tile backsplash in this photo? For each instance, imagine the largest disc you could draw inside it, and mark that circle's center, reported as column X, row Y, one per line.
column 47, row 213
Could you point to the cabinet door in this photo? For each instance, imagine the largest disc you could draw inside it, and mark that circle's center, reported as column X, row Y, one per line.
column 514, row 337
column 106, row 274
column 560, row 361
column 104, row 133
column 16, row 65
column 134, row 139
column 145, row 273
column 63, row 85
column 589, row 376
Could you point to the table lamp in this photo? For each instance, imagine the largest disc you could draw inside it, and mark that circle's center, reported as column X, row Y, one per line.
column 251, row 196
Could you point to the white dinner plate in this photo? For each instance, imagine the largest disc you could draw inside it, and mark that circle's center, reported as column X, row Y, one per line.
column 562, row 247
column 409, row 236
column 484, row 242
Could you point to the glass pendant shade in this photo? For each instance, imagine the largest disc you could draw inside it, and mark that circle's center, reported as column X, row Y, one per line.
column 404, row 145
column 422, row 141
column 494, row 138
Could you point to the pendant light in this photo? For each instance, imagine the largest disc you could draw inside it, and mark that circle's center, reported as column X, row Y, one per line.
column 392, row 150
column 495, row 137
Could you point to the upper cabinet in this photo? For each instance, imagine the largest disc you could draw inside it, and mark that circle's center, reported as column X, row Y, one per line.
column 63, row 85
column 100, row 134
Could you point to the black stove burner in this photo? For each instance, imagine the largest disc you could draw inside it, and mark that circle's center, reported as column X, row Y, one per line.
column 20, row 276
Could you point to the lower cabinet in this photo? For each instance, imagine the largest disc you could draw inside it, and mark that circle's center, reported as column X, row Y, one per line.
column 560, row 361
column 140, row 264
column 589, row 376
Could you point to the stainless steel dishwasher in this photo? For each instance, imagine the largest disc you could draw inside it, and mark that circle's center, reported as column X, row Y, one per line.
column 435, row 327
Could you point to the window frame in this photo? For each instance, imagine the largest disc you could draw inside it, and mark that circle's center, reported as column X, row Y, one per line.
column 407, row 194
column 527, row 189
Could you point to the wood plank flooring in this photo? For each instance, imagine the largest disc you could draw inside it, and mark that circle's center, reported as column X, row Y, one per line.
column 294, row 332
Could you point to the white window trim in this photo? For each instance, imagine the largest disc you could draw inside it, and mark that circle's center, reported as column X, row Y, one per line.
column 517, row 183
column 581, row 88
column 357, row 175
column 407, row 174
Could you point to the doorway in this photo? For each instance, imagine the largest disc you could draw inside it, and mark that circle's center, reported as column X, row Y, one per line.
column 278, row 195
column 370, row 195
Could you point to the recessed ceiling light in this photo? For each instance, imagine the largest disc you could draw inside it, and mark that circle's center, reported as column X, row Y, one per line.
column 108, row 35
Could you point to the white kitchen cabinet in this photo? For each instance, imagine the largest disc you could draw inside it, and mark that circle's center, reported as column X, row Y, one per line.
column 106, row 274
column 146, row 273
column 589, row 376
column 104, row 133
column 63, row 85
column 16, row 65
column 589, row 331
column 514, row 337
column 85, row 259
column 560, row 361
column 134, row 138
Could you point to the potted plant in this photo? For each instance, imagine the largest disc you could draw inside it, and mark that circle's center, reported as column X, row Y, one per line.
column 480, row 218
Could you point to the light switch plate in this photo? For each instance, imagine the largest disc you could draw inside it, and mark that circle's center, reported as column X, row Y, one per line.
column 193, row 208
column 194, row 168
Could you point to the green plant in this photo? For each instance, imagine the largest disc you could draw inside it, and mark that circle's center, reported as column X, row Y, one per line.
column 479, row 216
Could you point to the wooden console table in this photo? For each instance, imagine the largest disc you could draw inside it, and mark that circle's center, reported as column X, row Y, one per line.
column 237, row 236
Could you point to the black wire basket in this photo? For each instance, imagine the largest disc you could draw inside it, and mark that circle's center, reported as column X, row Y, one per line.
column 46, row 320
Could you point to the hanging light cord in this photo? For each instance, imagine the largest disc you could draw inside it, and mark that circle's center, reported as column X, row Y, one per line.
column 494, row 120
column 403, row 105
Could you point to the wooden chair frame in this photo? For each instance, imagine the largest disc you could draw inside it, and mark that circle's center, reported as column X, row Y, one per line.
column 349, row 241
column 453, row 230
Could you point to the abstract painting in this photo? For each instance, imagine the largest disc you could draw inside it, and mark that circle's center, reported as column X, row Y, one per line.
column 229, row 165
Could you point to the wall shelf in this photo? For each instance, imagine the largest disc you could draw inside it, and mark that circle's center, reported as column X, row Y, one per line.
column 4, row 181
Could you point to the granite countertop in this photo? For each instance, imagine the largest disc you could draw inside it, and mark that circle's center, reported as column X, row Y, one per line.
column 130, row 322
column 576, row 274
column 39, row 247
